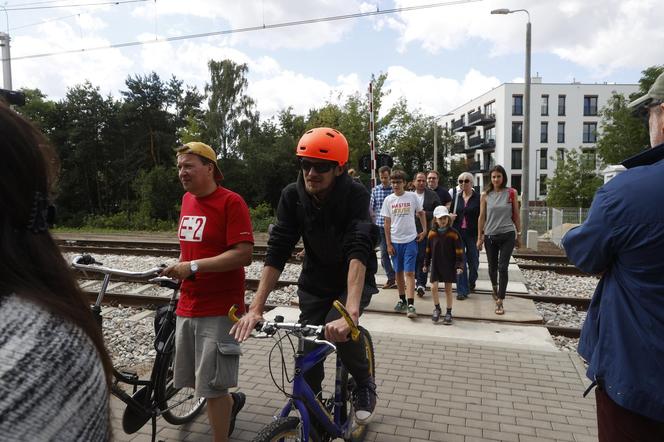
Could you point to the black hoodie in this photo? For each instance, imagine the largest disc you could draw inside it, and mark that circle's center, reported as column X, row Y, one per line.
column 334, row 232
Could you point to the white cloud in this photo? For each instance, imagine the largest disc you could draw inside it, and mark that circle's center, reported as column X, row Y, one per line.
column 600, row 35
column 435, row 95
column 53, row 75
column 250, row 14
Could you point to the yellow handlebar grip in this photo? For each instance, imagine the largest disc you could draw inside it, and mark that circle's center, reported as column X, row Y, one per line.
column 231, row 313
column 354, row 331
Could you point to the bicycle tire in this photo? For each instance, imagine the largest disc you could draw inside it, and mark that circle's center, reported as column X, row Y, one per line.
column 168, row 395
column 287, row 429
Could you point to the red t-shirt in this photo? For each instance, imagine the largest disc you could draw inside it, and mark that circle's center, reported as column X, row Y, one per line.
column 208, row 227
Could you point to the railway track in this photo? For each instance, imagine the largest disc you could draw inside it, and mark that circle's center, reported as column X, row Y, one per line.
column 251, row 283
column 155, row 301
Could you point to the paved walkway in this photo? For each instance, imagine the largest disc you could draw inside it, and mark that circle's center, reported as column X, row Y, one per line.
column 434, row 389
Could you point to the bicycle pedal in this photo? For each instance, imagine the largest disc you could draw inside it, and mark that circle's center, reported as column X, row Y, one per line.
column 131, row 375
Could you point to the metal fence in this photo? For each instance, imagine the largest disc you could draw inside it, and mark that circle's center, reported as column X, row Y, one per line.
column 553, row 222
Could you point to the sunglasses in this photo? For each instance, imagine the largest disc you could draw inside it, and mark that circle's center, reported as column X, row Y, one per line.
column 466, row 181
column 307, row 165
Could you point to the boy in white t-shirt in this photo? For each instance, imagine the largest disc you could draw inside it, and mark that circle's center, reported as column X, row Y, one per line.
column 399, row 210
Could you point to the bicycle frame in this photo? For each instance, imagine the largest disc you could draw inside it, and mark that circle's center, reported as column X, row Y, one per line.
column 304, row 399
column 147, row 407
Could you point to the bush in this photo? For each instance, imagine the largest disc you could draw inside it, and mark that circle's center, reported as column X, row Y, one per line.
column 127, row 221
column 261, row 217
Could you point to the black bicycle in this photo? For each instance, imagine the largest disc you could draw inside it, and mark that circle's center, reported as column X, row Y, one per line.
column 155, row 396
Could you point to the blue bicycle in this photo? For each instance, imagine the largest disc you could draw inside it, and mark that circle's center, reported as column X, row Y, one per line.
column 306, row 417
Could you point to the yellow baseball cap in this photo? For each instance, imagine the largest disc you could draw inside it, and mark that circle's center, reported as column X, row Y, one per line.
column 205, row 151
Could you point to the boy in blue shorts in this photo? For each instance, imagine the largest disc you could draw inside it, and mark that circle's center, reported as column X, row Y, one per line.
column 398, row 211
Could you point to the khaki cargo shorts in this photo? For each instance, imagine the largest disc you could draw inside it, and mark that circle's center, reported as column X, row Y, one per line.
column 207, row 358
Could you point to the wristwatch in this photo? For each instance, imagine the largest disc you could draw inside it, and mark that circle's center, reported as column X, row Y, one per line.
column 193, row 266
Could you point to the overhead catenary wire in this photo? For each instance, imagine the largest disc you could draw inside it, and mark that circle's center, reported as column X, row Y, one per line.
column 250, row 28
column 32, row 8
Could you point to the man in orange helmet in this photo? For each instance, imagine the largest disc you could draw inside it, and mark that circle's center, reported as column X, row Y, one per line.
column 330, row 212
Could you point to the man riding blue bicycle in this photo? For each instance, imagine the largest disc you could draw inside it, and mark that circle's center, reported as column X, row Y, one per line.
column 330, row 212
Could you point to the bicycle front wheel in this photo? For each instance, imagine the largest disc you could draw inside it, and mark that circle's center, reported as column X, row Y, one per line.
column 287, row 429
column 179, row 405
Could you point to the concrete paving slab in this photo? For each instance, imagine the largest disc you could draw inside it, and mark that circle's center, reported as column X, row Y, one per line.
column 477, row 306
column 530, row 337
column 514, row 285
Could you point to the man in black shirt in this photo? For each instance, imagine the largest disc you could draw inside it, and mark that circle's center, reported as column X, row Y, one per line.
column 330, row 212
column 441, row 191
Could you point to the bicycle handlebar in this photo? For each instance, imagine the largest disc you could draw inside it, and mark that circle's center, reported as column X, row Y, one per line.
column 271, row 327
column 88, row 263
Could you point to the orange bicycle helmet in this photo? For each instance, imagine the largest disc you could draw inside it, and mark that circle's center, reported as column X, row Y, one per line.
column 325, row 144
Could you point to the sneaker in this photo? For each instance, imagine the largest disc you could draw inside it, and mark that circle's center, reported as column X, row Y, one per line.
column 364, row 401
column 238, row 402
column 420, row 291
column 436, row 315
column 447, row 320
column 472, row 288
column 411, row 312
column 390, row 284
column 460, row 297
column 401, row 307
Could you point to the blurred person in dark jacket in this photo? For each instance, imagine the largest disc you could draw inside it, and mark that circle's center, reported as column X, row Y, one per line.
column 623, row 239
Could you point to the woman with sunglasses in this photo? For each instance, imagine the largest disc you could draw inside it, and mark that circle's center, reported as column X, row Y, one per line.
column 498, row 228
column 466, row 210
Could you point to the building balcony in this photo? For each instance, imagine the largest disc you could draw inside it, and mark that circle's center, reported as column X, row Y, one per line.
column 460, row 126
column 473, row 167
column 459, row 147
column 478, row 142
column 478, row 118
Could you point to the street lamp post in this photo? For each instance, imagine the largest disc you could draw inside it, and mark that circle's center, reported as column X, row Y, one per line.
column 526, row 131
column 435, row 139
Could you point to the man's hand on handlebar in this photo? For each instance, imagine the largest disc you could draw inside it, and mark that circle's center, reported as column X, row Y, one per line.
column 243, row 328
column 181, row 270
column 337, row 330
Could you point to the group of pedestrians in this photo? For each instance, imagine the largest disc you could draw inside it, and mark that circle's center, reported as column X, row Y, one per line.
column 433, row 229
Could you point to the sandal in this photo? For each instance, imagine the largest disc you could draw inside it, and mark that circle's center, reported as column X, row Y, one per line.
column 494, row 293
column 499, row 308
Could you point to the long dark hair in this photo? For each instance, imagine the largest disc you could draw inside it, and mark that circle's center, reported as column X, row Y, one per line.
column 31, row 265
column 500, row 169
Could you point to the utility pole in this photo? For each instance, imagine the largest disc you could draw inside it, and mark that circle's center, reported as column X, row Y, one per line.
column 6, row 61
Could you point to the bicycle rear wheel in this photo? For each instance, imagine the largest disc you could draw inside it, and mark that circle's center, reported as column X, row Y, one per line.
column 180, row 405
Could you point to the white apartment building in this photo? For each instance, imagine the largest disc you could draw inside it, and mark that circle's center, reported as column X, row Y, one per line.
column 562, row 117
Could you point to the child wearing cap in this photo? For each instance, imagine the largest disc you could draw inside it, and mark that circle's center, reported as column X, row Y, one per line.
column 444, row 255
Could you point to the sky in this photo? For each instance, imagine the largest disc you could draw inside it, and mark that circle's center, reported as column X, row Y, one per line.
column 437, row 58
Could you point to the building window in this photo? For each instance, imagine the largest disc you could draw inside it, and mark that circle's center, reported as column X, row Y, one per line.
column 517, row 104
column 589, row 158
column 488, row 109
column 589, row 132
column 545, row 105
column 490, row 135
column 516, row 158
column 542, row 184
column 560, row 156
column 543, row 164
column 516, row 182
column 561, row 105
column 561, row 132
column 590, row 105
column 544, row 132
column 517, row 132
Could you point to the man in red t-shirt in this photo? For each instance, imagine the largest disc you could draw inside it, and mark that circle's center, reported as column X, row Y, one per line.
column 216, row 242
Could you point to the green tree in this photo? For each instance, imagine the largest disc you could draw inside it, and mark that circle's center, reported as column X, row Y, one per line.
column 622, row 135
column 409, row 138
column 648, row 77
column 231, row 114
column 574, row 182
